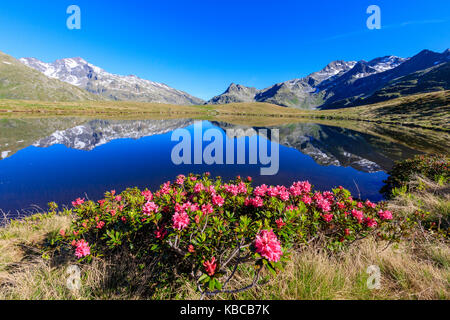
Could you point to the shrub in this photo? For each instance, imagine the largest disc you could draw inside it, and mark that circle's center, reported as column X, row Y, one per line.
column 433, row 167
column 205, row 229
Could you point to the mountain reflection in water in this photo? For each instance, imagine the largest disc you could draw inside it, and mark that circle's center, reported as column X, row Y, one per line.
column 55, row 160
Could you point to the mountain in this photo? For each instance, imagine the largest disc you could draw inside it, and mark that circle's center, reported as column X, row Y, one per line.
column 235, row 93
column 359, row 92
column 80, row 73
column 433, row 79
column 349, row 83
column 18, row 81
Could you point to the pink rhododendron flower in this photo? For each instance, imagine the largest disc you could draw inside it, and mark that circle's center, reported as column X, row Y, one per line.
column 257, row 202
column 207, row 209
column 317, row 196
column 341, row 205
column 193, row 178
column 62, row 232
column 324, row 205
column 385, row 215
column 149, row 208
column 371, row 223
column 160, row 233
column 306, row 199
column 199, row 187
column 300, row 187
column 82, row 249
column 358, row 215
column 231, row 188
column 359, row 205
column 180, row 220
column 242, row 188
column 100, row 224
column 119, row 198
column 78, row 202
column 260, row 191
column 147, row 195
column 165, row 188
column 212, row 190
column 179, row 207
column 284, row 195
column 370, row 204
column 280, row 223
column 191, row 248
column 218, row 201
column 328, row 195
column 327, row 217
column 268, row 246
column 194, row 207
column 210, row 266
column 272, row 191
column 180, row 179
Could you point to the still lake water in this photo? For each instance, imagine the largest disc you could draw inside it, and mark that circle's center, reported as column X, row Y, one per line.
column 45, row 160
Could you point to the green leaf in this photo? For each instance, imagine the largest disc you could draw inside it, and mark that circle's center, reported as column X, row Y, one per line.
column 212, row 284
column 204, row 278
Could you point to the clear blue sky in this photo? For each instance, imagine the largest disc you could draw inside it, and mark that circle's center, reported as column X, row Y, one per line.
column 201, row 46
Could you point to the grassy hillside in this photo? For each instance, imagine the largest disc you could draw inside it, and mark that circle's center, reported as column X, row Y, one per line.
column 429, row 80
column 429, row 110
column 18, row 81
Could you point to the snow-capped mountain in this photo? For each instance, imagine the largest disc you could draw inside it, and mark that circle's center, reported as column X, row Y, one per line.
column 80, row 73
column 309, row 92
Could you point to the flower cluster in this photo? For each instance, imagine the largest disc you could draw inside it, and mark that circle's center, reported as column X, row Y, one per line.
column 268, row 246
column 207, row 224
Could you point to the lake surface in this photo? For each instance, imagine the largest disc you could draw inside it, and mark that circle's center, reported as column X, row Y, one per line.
column 45, row 160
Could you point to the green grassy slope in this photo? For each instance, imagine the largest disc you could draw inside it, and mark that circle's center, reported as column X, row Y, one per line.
column 18, row 81
column 429, row 80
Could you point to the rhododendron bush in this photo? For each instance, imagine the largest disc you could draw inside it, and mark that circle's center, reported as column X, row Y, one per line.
column 208, row 228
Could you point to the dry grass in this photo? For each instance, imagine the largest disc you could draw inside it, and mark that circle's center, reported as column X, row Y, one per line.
column 317, row 275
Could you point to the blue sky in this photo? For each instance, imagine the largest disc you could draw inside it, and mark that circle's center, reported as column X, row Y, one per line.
column 201, row 46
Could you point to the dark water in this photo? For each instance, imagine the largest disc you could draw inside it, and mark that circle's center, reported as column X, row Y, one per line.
column 45, row 160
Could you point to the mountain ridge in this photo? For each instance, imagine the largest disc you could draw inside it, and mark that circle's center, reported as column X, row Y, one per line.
column 345, row 83
column 339, row 84
column 96, row 80
column 18, row 81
